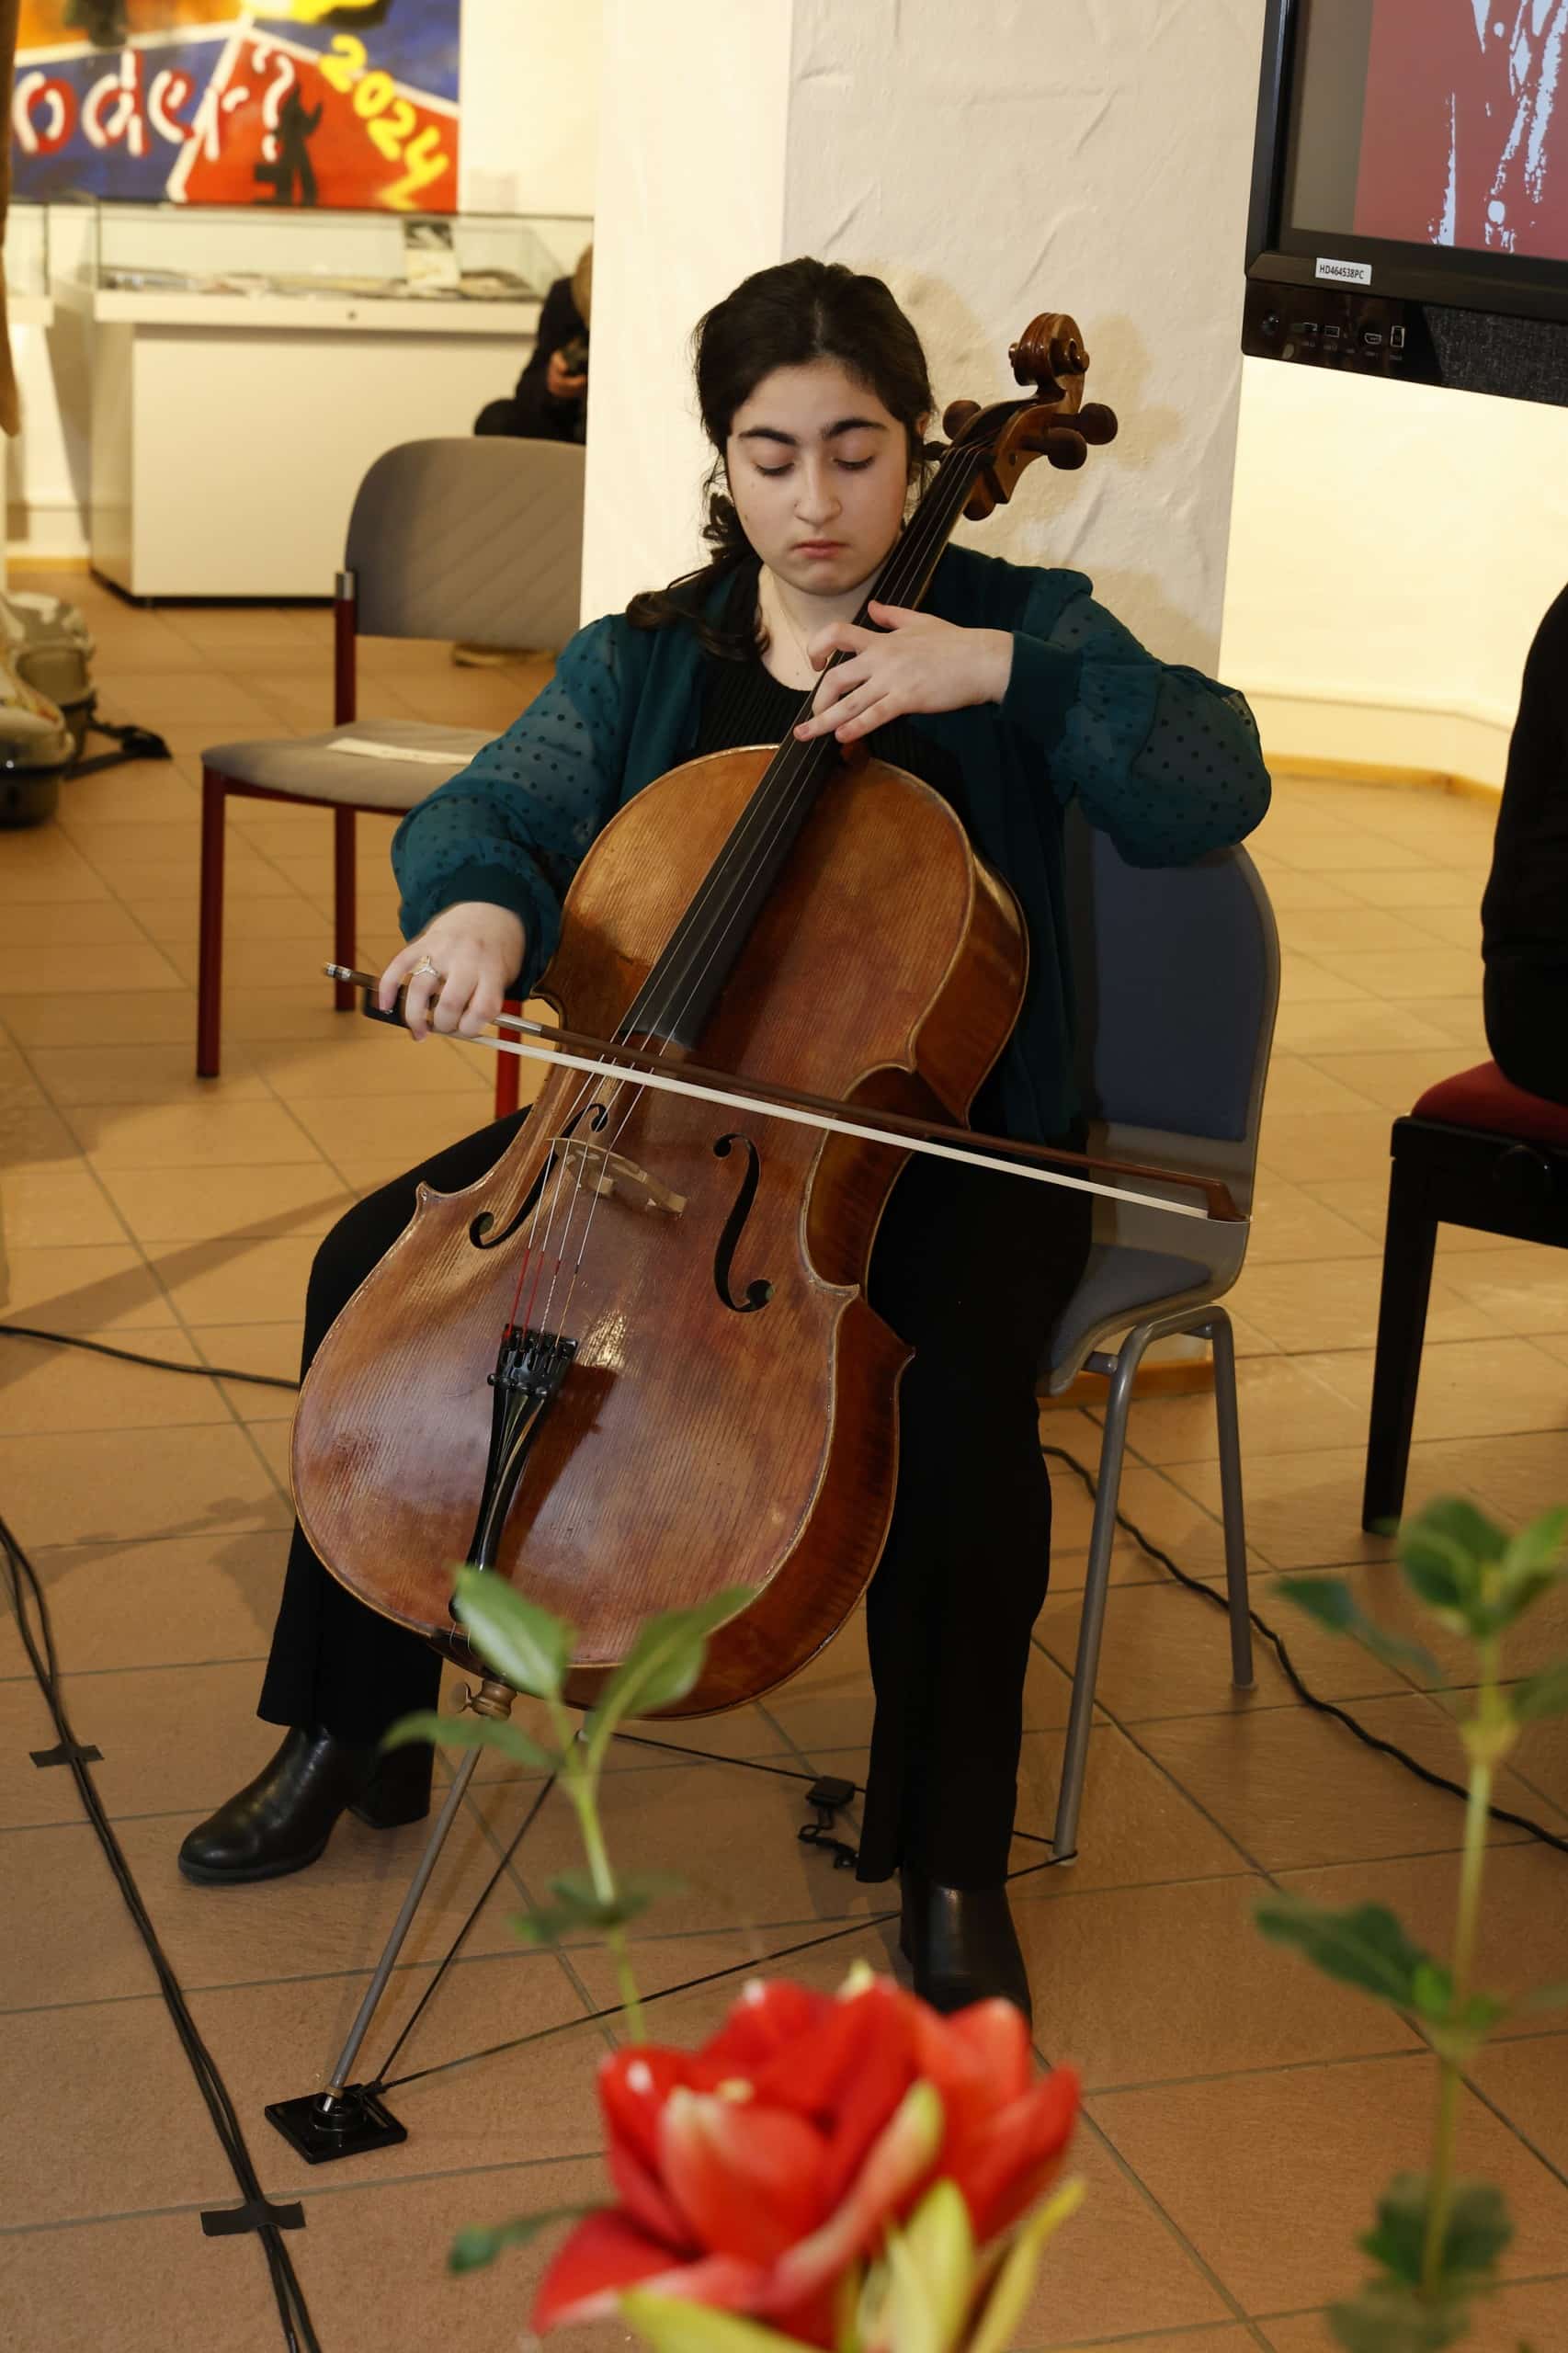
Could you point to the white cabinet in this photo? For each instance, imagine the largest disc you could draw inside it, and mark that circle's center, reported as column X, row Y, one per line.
column 247, row 372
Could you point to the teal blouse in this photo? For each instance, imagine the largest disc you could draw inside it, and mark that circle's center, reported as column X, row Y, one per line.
column 1165, row 760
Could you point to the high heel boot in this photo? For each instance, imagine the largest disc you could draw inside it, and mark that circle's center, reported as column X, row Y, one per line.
column 282, row 1820
column 962, row 1944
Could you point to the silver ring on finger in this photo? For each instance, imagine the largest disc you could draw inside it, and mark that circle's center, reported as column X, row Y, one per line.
column 427, row 964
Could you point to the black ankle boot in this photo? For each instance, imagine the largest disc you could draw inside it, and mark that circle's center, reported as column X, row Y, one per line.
column 282, row 1820
column 962, row 1944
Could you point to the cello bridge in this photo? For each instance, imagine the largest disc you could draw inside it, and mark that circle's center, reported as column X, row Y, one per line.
column 599, row 1170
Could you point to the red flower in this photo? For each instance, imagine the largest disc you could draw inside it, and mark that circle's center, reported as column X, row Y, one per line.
column 753, row 2173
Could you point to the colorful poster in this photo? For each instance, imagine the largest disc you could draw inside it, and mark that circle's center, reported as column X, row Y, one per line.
column 346, row 103
column 1465, row 137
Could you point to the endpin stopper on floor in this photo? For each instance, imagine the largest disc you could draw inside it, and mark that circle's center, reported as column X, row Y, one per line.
column 345, row 2121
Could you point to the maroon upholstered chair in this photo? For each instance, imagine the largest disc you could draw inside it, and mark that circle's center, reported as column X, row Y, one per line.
column 1475, row 1151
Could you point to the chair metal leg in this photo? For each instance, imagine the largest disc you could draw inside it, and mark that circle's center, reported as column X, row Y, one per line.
column 1091, row 1623
column 1409, row 1242
column 210, row 954
column 1221, row 1341
column 344, row 909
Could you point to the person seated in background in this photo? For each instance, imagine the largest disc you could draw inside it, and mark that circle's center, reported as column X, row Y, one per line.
column 551, row 400
column 1524, row 914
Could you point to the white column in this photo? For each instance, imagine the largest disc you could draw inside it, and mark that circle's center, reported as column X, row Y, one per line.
column 990, row 161
column 692, row 131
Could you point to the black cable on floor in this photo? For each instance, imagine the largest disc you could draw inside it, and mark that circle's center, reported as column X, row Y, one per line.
column 298, row 2334
column 1302, row 1690
column 134, row 1356
column 1154, row 1552
column 1194, row 1585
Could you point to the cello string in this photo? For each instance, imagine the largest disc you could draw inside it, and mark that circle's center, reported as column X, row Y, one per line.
column 795, row 766
column 769, row 816
column 907, row 560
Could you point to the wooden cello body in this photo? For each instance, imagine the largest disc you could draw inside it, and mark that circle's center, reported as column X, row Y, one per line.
column 700, row 1440
column 633, row 1366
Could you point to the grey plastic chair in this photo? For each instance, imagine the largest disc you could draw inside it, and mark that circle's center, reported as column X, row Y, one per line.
column 479, row 541
column 1177, row 975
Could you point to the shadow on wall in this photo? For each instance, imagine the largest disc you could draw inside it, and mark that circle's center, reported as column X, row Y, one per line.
column 1065, row 521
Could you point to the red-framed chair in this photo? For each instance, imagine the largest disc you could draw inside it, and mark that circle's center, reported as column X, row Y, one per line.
column 477, row 541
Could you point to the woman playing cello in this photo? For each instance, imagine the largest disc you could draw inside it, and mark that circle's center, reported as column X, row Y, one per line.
column 1011, row 693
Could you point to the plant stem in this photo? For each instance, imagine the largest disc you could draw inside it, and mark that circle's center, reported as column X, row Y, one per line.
column 1440, row 2183
column 582, row 1787
column 584, row 1797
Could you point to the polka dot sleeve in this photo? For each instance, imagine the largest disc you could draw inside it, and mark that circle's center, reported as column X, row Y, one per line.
column 514, row 825
column 1165, row 760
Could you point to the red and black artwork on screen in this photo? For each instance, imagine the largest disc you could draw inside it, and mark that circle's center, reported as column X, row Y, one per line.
column 1465, row 139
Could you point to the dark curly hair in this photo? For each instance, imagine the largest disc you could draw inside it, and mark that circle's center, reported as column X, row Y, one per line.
column 783, row 317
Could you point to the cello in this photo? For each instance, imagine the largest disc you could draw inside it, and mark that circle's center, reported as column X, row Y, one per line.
column 634, row 1366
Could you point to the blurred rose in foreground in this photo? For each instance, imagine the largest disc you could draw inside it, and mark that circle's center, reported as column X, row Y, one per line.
column 842, row 2170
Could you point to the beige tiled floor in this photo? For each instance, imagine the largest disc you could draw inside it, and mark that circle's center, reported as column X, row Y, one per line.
column 1241, row 2113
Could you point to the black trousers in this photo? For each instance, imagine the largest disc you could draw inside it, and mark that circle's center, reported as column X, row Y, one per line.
column 1527, row 1025
column 971, row 1269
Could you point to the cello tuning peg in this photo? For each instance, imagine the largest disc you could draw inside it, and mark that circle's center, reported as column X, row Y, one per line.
column 1097, row 423
column 1065, row 447
column 956, row 415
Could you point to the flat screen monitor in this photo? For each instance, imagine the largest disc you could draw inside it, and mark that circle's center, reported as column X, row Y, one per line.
column 1413, row 153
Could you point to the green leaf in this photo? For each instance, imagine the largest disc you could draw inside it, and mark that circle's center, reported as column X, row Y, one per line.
column 1444, row 1551
column 472, row 1732
column 578, row 1905
column 670, row 2324
column 1432, row 1992
column 528, row 1647
column 1390, row 2318
column 1533, row 1562
column 1365, row 1947
column 663, row 1663
column 1398, row 2239
column 1545, row 1694
column 932, row 2266
column 1478, row 2231
column 1545, row 1997
column 481, row 2243
column 1480, row 2012
column 1004, row 2305
column 1455, row 1522
column 1332, row 1603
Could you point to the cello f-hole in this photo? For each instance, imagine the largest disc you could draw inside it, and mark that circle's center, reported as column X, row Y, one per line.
column 759, row 1293
column 479, row 1232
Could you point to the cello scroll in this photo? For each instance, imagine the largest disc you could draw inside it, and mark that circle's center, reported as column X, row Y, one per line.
column 1055, row 425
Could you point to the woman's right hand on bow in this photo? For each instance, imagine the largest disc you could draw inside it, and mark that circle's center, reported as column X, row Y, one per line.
column 477, row 951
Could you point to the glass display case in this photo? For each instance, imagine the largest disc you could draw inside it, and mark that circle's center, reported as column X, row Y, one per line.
column 248, row 366
column 462, row 261
column 28, row 295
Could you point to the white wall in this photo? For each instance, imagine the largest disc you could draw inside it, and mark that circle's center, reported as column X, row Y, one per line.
column 529, row 79
column 1392, row 549
column 992, row 162
column 692, row 137
column 1003, row 158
